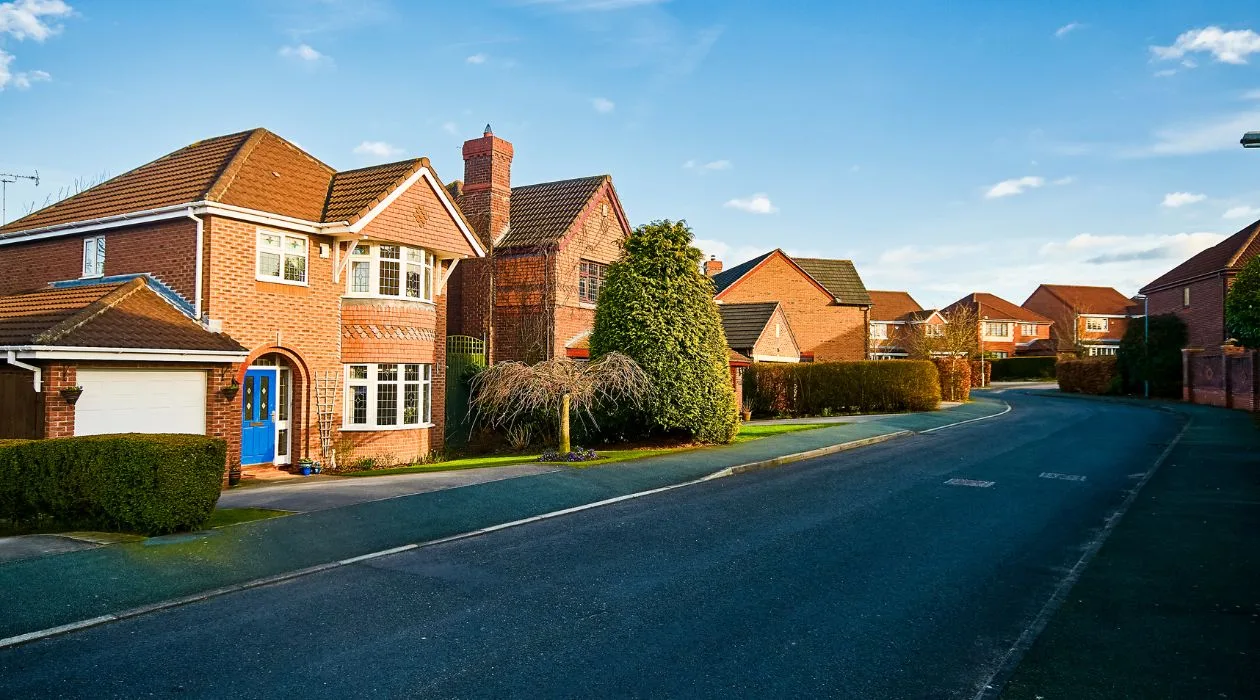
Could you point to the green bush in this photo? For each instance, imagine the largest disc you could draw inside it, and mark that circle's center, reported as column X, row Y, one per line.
column 1157, row 360
column 1096, row 375
column 656, row 307
column 152, row 484
column 955, row 377
column 1011, row 368
column 1242, row 305
column 830, row 388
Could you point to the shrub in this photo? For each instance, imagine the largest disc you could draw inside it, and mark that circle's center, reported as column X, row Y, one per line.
column 1242, row 305
column 152, row 484
column 656, row 307
column 955, row 377
column 976, row 367
column 1024, row 368
column 1157, row 360
column 818, row 388
column 1096, row 375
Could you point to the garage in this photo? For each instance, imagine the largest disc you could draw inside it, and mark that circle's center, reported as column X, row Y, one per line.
column 140, row 401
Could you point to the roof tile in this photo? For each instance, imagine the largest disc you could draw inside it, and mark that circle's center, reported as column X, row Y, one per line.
column 743, row 324
column 1230, row 254
column 542, row 214
column 995, row 308
column 892, row 306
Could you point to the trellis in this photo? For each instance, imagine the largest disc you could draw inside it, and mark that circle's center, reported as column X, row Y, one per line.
column 327, row 387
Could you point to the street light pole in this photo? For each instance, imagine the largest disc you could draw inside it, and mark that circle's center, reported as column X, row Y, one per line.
column 1146, row 346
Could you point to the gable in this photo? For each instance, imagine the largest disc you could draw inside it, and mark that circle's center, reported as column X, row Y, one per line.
column 418, row 216
column 777, row 339
column 771, row 279
column 1231, row 253
column 272, row 175
column 744, row 324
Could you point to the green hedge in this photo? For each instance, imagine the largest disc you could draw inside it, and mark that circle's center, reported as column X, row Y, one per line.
column 955, row 377
column 152, row 484
column 1010, row 368
column 979, row 379
column 1097, row 375
column 830, row 388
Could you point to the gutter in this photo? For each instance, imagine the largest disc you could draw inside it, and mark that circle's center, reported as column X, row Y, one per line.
column 39, row 373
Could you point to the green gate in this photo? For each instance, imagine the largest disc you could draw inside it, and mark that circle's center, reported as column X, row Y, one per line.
column 465, row 355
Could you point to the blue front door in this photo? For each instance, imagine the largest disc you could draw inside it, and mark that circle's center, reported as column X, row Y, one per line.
column 258, row 416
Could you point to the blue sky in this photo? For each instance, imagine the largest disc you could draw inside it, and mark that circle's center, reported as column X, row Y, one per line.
column 946, row 147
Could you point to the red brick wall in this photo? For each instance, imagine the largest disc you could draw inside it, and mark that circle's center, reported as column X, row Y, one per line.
column 418, row 218
column 58, row 413
column 1205, row 317
column 1229, row 378
column 596, row 236
column 521, row 321
column 832, row 332
column 780, row 344
column 167, row 250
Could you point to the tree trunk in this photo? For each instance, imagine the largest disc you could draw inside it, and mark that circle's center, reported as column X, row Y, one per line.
column 565, row 446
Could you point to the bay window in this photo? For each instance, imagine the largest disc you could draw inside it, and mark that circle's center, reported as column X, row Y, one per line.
column 389, row 270
column 281, row 257
column 387, row 396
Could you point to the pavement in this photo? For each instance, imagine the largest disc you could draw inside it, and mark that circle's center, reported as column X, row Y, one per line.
column 907, row 569
column 125, row 579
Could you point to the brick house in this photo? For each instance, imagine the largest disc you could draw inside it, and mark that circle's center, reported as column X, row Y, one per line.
column 824, row 301
column 1004, row 329
column 1195, row 290
column 549, row 244
column 1087, row 320
column 895, row 320
column 329, row 281
column 759, row 331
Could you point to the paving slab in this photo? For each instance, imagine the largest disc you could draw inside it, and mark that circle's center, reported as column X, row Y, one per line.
column 32, row 546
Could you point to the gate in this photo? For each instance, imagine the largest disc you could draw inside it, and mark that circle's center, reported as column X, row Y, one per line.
column 465, row 355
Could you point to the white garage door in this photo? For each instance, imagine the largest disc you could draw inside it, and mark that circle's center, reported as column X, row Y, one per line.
column 141, row 401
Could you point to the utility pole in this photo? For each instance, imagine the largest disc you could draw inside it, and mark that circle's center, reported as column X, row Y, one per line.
column 5, row 179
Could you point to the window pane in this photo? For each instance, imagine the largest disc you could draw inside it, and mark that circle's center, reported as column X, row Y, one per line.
column 426, row 411
column 389, row 252
column 387, row 373
column 282, row 442
column 358, row 371
column 295, row 268
column 247, row 400
column 427, row 290
column 415, row 255
column 411, row 404
column 411, row 373
column 100, row 256
column 89, row 257
column 284, row 396
column 269, row 265
column 295, row 245
column 413, row 281
column 360, row 276
column 389, row 277
column 264, row 397
column 361, row 249
column 269, row 240
column 387, row 404
column 358, row 405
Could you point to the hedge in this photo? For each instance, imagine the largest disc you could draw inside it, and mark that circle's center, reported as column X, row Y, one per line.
column 1097, row 375
column 829, row 388
column 152, row 484
column 1024, row 368
column 1153, row 354
column 976, row 366
column 955, row 378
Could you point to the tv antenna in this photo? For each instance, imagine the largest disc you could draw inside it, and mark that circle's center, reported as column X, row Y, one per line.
column 5, row 179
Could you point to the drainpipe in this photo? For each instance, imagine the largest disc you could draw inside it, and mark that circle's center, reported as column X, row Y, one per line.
column 197, row 283
column 39, row 373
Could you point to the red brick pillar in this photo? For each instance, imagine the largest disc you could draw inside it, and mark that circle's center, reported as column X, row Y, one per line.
column 58, row 413
column 223, row 410
column 1187, row 375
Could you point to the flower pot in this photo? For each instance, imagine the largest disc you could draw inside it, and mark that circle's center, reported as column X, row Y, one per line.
column 306, row 470
column 234, row 476
column 71, row 395
column 747, row 415
column 230, row 390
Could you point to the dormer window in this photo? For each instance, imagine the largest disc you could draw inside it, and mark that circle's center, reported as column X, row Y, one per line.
column 94, row 256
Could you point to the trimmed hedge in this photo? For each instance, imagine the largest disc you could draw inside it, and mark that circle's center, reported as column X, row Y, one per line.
column 1156, row 358
column 152, row 484
column 955, row 378
column 1024, row 368
column 1096, row 375
column 975, row 373
column 818, row 388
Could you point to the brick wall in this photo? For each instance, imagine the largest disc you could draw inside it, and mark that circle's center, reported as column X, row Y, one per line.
column 164, row 249
column 834, row 333
column 597, row 235
column 1222, row 376
column 1205, row 316
column 776, row 340
column 58, row 413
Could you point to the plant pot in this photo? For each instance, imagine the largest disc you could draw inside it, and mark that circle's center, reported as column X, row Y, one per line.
column 71, row 395
column 747, row 416
column 306, row 470
column 230, row 390
column 234, row 476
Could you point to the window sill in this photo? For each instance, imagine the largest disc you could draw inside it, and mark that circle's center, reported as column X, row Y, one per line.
column 383, row 428
column 290, row 283
column 586, row 305
column 381, row 297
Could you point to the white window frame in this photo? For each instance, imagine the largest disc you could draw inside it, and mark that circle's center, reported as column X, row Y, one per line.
column 934, row 330
column 94, row 256
column 879, row 331
column 602, row 269
column 1185, row 297
column 372, row 384
column 1029, row 329
column 426, row 267
column 281, row 250
column 1005, row 335
column 1102, row 324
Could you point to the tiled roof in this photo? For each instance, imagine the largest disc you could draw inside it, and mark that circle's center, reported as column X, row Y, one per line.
column 892, row 306
column 921, row 315
column 727, row 277
column 838, row 277
column 1090, row 300
column 996, row 308
column 743, row 324
column 1230, row 254
column 541, row 214
column 253, row 169
column 737, row 358
column 115, row 315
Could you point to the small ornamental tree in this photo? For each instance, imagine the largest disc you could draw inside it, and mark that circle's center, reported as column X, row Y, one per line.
column 1156, row 359
column 1242, row 305
column 656, row 307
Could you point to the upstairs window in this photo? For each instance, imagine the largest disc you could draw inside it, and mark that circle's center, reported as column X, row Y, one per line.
column 389, row 270
column 281, row 257
column 1028, row 329
column 879, row 331
column 1185, row 297
column 934, row 330
column 997, row 329
column 1096, row 324
column 590, row 278
column 94, row 256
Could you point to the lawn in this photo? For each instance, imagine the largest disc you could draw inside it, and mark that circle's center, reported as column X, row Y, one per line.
column 747, row 433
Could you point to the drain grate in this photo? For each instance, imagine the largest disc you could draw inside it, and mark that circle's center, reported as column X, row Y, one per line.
column 970, row 482
column 1064, row 477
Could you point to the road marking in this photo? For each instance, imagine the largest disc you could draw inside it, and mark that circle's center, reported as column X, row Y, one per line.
column 971, row 482
column 969, row 420
column 1065, row 477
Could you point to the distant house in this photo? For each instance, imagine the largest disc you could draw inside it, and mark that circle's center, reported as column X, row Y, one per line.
column 759, row 331
column 896, row 321
column 824, row 300
column 1088, row 320
column 549, row 244
column 1195, row 290
column 1004, row 329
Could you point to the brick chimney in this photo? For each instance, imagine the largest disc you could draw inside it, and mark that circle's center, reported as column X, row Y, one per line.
column 487, row 191
column 712, row 266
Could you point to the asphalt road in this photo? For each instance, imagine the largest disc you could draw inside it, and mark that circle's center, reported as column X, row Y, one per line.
column 858, row 575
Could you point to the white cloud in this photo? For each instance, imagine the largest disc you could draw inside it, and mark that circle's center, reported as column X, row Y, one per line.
column 1091, row 249
column 1241, row 213
column 378, row 149
column 30, row 19
column 708, row 167
column 1217, row 135
column 915, row 254
column 1172, row 200
column 1251, row 95
column 1019, row 185
column 1064, row 181
column 758, row 203
column 591, row 5
column 302, row 52
column 1166, row 73
column 476, row 59
column 1066, row 29
column 1225, row 46
column 451, row 128
column 23, row 81
column 603, row 105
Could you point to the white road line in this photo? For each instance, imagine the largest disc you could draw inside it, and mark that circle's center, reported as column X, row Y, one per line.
column 969, row 420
